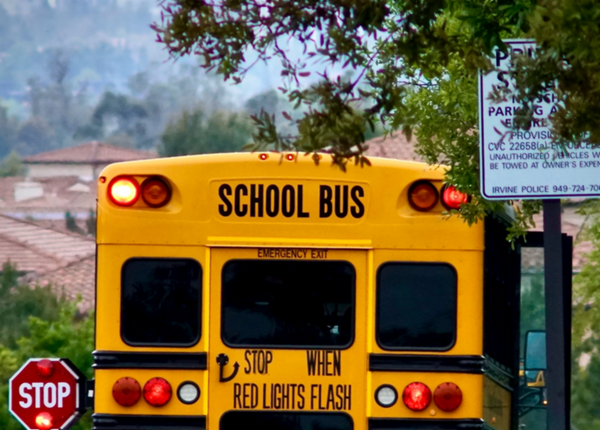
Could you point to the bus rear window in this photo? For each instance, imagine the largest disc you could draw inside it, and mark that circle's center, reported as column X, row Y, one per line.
column 284, row 303
column 416, row 306
column 237, row 420
column 160, row 302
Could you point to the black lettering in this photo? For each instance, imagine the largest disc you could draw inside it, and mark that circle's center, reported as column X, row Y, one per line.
column 337, row 363
column 226, row 208
column 301, row 213
column 272, row 201
column 248, row 367
column 257, row 200
column 321, row 407
column 254, row 395
column 240, row 190
column 246, row 397
column 330, row 398
column 328, row 363
column 347, row 397
column 321, row 363
column 357, row 193
column 325, row 206
column 301, row 389
column 268, row 361
column 254, row 361
column 265, row 397
column 341, row 201
column 285, row 396
column 288, row 201
column 324, row 362
column 237, row 391
column 311, row 359
column 313, row 396
column 261, row 362
column 276, row 396
column 339, row 391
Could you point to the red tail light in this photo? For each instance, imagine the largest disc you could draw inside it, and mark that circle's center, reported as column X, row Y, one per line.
column 124, row 191
column 127, row 391
column 157, row 392
column 416, row 396
column 447, row 396
column 43, row 421
column 452, row 198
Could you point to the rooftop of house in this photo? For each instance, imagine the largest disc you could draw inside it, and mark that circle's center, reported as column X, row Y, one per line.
column 395, row 145
column 36, row 249
column 75, row 280
column 95, row 152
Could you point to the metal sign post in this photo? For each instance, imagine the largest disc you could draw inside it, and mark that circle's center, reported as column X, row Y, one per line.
column 558, row 355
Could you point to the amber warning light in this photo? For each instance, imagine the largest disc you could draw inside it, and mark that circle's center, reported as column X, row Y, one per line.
column 155, row 192
column 423, row 196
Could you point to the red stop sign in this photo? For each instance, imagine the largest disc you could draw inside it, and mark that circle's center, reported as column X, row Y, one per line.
column 47, row 394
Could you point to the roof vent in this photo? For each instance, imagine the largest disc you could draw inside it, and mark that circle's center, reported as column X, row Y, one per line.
column 27, row 191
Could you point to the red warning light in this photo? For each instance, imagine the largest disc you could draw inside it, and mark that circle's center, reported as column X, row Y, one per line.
column 452, row 198
column 290, row 157
column 44, row 421
column 157, row 392
column 45, row 368
column 416, row 396
column 263, row 156
column 124, row 191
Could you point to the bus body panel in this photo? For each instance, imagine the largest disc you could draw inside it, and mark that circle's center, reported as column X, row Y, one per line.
column 111, row 259
column 194, row 219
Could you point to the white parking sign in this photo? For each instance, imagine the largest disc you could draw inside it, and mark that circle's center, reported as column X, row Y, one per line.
column 524, row 164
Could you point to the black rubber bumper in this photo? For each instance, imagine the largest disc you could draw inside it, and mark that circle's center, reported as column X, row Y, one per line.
column 147, row 422
column 424, row 424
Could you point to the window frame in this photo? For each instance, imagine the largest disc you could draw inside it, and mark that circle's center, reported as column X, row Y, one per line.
column 291, row 347
column 378, row 309
column 200, row 304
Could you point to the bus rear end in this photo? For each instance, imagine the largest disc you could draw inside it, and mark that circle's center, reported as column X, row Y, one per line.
column 280, row 294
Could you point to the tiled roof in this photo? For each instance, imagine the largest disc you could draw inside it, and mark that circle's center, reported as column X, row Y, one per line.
column 75, row 279
column 26, row 258
column 395, row 145
column 90, row 153
column 36, row 249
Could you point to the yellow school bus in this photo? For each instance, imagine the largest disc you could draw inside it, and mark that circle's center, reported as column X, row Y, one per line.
column 276, row 291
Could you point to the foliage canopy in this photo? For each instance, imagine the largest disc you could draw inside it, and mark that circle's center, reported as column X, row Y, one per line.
column 415, row 61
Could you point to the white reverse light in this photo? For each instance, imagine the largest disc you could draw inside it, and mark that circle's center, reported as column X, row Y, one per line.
column 386, row 396
column 188, row 392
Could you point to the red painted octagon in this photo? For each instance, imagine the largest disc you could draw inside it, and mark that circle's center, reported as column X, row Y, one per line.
column 47, row 394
